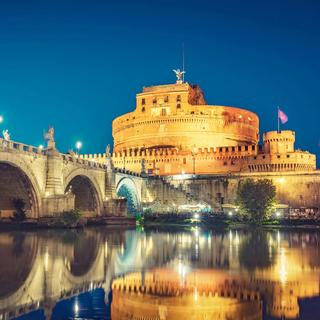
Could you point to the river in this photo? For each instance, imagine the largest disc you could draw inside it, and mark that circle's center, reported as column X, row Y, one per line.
column 107, row 273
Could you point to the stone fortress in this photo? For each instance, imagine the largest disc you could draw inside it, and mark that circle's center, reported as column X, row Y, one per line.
column 206, row 150
column 175, row 132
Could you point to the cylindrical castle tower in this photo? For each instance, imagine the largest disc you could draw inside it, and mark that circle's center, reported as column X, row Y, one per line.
column 176, row 116
column 279, row 142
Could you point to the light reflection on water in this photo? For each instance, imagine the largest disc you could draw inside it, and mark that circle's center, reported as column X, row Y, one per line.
column 126, row 274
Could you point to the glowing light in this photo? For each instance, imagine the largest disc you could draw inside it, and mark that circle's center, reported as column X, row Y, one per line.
column 237, row 239
column 78, row 145
column 182, row 172
column 196, row 216
column 281, row 180
column 278, row 214
column 230, row 213
column 1, row 119
column 46, row 260
column 182, row 270
column 40, row 146
column 195, row 296
column 278, row 237
column 76, row 307
column 196, row 232
column 283, row 266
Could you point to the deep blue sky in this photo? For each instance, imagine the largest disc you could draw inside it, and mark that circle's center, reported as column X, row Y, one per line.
column 78, row 64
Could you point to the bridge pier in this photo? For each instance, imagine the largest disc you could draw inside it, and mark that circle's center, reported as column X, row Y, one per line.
column 55, row 199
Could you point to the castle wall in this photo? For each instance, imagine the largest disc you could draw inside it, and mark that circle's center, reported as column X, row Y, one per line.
column 295, row 189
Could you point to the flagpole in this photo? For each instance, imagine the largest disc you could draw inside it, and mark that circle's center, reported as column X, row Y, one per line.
column 278, row 120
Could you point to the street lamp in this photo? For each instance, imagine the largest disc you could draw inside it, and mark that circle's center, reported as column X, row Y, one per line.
column 78, row 146
column 1, row 119
column 194, row 160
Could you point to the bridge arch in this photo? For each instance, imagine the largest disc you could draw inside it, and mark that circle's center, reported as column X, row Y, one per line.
column 88, row 195
column 18, row 181
column 127, row 189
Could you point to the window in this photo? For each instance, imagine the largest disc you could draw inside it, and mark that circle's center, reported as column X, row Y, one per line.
column 166, row 99
column 178, row 106
column 288, row 155
column 143, row 101
column 246, row 148
column 178, row 98
column 163, row 112
column 154, row 101
column 143, row 109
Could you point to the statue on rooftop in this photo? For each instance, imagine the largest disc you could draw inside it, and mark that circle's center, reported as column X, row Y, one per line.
column 179, row 74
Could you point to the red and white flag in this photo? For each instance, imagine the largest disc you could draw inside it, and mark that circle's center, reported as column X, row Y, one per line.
column 282, row 116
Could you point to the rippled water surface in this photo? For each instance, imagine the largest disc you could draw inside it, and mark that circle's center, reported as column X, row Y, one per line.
column 131, row 274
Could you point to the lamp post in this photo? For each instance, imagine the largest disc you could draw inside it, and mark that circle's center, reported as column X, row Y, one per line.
column 194, row 160
column 78, row 146
column 1, row 119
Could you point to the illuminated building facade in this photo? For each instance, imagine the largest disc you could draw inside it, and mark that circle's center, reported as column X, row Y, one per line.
column 173, row 131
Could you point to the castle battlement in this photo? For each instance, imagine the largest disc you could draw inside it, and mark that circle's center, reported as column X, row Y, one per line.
column 173, row 130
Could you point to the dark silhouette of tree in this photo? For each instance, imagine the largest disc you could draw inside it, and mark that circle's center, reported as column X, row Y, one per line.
column 256, row 199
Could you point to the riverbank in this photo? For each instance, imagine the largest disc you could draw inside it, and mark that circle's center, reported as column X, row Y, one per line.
column 51, row 223
column 160, row 222
column 165, row 221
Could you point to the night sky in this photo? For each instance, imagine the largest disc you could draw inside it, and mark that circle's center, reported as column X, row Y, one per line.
column 77, row 65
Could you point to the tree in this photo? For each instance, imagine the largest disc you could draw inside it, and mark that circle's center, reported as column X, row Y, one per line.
column 256, row 199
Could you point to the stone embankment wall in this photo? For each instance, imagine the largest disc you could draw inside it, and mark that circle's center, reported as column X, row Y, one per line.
column 295, row 189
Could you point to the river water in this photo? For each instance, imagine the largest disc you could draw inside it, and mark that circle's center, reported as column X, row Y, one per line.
column 103, row 273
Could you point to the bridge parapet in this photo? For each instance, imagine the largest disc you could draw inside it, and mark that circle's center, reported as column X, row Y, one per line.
column 20, row 147
column 82, row 161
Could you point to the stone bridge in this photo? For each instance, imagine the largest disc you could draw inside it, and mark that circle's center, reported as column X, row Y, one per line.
column 50, row 182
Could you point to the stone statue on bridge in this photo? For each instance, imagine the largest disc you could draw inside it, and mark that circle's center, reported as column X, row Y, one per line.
column 108, row 154
column 49, row 136
column 6, row 135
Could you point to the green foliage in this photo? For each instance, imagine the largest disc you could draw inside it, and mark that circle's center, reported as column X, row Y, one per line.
column 256, row 199
column 69, row 218
column 20, row 209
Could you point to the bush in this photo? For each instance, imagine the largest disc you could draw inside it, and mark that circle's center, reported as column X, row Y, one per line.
column 256, row 199
column 69, row 218
column 20, row 209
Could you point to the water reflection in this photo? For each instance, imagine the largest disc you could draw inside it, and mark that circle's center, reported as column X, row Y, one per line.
column 102, row 273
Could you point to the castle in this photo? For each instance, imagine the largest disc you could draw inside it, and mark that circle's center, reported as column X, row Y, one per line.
column 173, row 131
